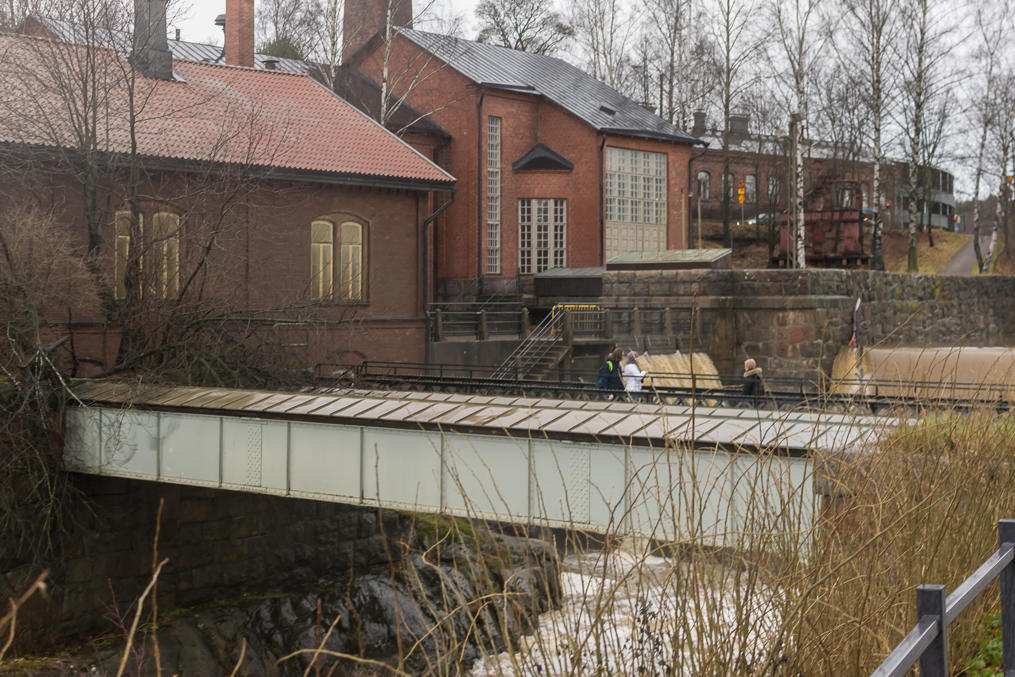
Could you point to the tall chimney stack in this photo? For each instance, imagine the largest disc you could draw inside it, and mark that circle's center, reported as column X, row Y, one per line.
column 240, row 33
column 151, row 49
column 363, row 19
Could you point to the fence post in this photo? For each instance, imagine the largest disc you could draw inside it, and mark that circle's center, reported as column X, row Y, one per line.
column 568, row 329
column 438, row 324
column 607, row 323
column 930, row 601
column 1006, row 534
column 482, row 326
column 526, row 322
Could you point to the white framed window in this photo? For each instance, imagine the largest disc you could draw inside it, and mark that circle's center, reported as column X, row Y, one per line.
column 322, row 256
column 636, row 215
column 750, row 188
column 166, row 254
column 702, row 187
column 542, row 234
column 493, row 156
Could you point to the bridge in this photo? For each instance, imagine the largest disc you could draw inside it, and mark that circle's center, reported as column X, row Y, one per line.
column 663, row 471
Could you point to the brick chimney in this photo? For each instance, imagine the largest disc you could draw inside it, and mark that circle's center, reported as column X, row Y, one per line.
column 239, row 31
column 151, row 49
column 365, row 18
column 699, row 124
column 739, row 131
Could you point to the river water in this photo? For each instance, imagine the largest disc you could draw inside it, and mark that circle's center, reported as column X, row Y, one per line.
column 623, row 615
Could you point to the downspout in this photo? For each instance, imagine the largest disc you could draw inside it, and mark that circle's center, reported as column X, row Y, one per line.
column 479, row 191
column 436, row 154
column 690, row 178
column 602, row 204
column 432, row 219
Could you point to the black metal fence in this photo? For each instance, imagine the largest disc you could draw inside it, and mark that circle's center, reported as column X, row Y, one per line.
column 927, row 643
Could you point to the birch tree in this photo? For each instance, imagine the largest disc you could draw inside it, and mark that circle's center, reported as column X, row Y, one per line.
column 991, row 29
column 603, row 28
column 926, row 49
column 736, row 50
column 668, row 22
column 801, row 39
column 873, row 28
column 527, row 25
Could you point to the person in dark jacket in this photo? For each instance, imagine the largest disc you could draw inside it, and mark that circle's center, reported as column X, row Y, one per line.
column 609, row 375
column 752, row 379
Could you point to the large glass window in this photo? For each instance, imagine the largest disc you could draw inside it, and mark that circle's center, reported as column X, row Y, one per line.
column 635, row 201
column 542, row 235
column 493, row 195
column 750, row 188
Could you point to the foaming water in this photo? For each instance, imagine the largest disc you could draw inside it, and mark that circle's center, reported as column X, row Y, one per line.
column 645, row 615
column 947, row 371
column 674, row 370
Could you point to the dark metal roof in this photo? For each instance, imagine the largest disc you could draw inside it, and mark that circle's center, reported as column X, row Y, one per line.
column 576, row 91
column 181, row 49
column 542, row 157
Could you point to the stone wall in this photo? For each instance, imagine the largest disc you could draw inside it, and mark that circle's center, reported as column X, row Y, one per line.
column 795, row 322
column 224, row 545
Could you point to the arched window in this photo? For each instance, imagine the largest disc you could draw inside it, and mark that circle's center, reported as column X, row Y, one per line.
column 702, row 192
column 166, row 254
column 322, row 248
column 351, row 280
column 346, row 282
column 750, row 188
column 121, row 254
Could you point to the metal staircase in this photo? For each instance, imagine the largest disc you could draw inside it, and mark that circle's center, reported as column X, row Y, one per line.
column 542, row 349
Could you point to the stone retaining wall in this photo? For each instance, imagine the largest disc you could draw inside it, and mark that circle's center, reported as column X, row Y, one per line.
column 795, row 322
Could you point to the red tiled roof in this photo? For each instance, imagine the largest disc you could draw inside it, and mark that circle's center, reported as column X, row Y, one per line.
column 227, row 114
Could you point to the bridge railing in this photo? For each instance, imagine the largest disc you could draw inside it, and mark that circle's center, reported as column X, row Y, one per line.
column 927, row 642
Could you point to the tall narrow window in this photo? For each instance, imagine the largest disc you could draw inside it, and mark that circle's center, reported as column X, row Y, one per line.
column 122, row 251
column 703, row 185
column 750, row 188
column 322, row 245
column 493, row 195
column 542, row 235
column 166, row 254
column 351, row 280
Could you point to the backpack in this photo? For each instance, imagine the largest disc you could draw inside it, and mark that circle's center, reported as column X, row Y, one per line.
column 604, row 373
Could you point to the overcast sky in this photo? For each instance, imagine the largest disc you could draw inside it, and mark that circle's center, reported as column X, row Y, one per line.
column 196, row 19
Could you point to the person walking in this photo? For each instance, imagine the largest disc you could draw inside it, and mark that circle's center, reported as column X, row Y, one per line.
column 633, row 375
column 608, row 379
column 752, row 380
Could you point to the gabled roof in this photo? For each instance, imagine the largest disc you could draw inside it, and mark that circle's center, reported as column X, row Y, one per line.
column 212, row 113
column 542, row 157
column 595, row 102
column 181, row 49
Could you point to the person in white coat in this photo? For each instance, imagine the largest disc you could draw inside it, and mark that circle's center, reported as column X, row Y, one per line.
column 633, row 376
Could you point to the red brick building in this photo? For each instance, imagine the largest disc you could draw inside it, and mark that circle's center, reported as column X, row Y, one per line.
column 555, row 168
column 759, row 163
column 256, row 191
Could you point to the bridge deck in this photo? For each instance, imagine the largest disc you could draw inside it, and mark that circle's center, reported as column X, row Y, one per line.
column 663, row 471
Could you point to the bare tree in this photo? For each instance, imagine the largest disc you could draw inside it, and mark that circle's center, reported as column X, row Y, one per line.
column 926, row 51
column 603, row 29
column 737, row 49
column 873, row 29
column 527, row 25
column 291, row 29
column 802, row 36
column 991, row 23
